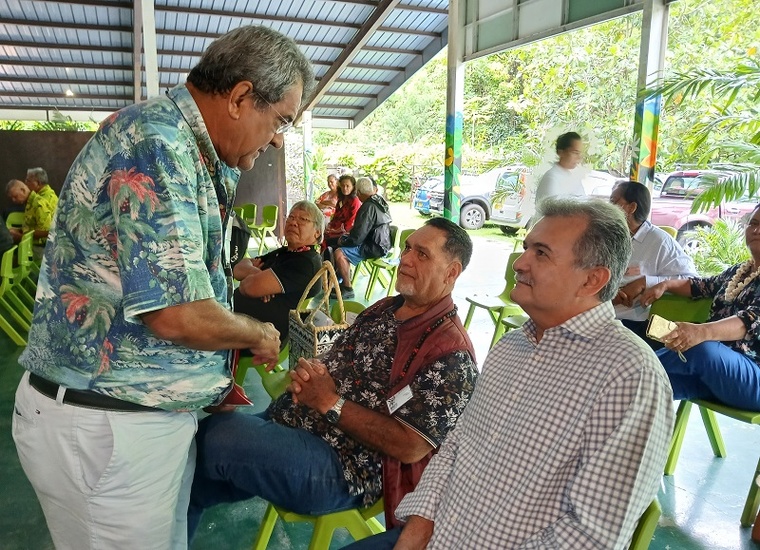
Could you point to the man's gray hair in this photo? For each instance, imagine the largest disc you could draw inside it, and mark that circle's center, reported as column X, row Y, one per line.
column 365, row 186
column 12, row 185
column 314, row 213
column 606, row 241
column 38, row 174
column 271, row 61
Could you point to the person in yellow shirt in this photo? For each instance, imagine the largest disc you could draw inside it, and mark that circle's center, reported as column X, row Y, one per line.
column 39, row 210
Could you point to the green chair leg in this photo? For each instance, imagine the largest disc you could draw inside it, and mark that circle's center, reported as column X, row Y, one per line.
column 752, row 503
column 499, row 330
column 326, row 525
column 679, row 430
column 713, row 432
column 266, row 528
column 642, row 536
column 467, row 319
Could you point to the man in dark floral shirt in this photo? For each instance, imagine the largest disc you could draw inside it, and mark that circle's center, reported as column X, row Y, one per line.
column 365, row 422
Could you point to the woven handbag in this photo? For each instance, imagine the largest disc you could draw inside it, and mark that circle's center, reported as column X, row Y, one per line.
column 308, row 339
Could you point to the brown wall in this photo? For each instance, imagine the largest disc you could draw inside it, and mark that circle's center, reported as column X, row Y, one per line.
column 55, row 151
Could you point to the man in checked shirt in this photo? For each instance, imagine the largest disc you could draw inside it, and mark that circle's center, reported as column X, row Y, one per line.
column 565, row 438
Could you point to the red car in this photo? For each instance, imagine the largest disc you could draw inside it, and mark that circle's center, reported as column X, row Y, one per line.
column 673, row 206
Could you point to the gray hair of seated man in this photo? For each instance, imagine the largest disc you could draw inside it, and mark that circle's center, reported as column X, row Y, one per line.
column 271, row 61
column 313, row 212
column 37, row 174
column 364, row 186
column 606, row 241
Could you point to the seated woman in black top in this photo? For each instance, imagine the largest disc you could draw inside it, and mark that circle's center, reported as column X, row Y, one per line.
column 271, row 285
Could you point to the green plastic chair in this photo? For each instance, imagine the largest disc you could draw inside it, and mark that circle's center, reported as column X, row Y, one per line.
column 349, row 306
column 365, row 266
column 360, row 523
column 672, row 231
column 267, row 225
column 389, row 264
column 10, row 320
column 642, row 535
column 22, row 273
column 677, row 308
column 247, row 213
column 276, row 381
column 14, row 220
column 498, row 307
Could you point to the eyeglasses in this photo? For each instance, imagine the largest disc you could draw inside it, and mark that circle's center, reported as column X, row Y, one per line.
column 285, row 124
column 300, row 220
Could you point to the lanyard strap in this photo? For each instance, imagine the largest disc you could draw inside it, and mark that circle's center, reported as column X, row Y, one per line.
column 421, row 341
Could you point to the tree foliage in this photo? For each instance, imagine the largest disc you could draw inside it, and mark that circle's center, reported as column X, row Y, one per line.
column 516, row 101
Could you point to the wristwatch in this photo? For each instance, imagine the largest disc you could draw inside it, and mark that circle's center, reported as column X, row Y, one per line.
column 333, row 414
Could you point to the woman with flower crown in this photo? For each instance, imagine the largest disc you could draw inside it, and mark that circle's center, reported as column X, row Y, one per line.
column 721, row 355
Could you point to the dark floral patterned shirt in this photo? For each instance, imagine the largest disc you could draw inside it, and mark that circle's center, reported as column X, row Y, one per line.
column 746, row 307
column 360, row 363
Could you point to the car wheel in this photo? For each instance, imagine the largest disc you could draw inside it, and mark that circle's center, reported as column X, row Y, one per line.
column 507, row 230
column 688, row 241
column 472, row 216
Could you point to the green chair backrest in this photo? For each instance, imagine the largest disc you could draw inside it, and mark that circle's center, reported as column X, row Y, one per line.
column 403, row 237
column 681, row 308
column 6, row 269
column 14, row 219
column 349, row 306
column 248, row 213
column 672, row 231
column 509, row 276
column 269, row 215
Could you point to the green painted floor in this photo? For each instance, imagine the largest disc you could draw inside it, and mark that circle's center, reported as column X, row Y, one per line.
column 701, row 503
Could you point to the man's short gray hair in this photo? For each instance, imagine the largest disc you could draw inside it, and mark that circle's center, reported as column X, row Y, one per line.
column 12, row 185
column 606, row 241
column 314, row 213
column 38, row 174
column 365, row 186
column 271, row 61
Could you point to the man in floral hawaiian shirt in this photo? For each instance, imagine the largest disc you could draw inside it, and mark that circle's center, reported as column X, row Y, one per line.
column 132, row 323
column 363, row 424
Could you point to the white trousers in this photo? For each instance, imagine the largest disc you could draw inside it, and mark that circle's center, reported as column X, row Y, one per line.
column 106, row 480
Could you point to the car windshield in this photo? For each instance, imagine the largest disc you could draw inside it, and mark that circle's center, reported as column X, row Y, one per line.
column 681, row 186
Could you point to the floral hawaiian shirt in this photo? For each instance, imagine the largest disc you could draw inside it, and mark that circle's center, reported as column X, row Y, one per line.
column 360, row 363
column 39, row 210
column 139, row 227
column 746, row 307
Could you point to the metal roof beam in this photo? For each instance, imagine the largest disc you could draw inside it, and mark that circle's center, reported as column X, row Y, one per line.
column 382, row 11
column 79, row 96
column 60, row 25
column 52, row 46
column 429, row 52
column 283, row 19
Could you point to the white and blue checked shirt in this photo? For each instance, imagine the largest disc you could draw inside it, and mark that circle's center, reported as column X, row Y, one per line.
column 561, row 446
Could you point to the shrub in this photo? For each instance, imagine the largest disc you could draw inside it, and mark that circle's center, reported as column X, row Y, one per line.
column 719, row 247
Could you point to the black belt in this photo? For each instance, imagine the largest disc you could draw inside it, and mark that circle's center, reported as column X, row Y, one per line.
column 85, row 398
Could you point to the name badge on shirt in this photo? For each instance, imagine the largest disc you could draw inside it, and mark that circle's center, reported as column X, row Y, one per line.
column 397, row 401
column 633, row 271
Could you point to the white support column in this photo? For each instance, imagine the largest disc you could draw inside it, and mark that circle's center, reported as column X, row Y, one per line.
column 137, row 51
column 308, row 155
column 454, row 108
column 145, row 39
column 654, row 41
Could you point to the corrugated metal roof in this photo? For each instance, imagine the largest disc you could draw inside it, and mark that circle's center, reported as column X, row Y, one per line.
column 362, row 50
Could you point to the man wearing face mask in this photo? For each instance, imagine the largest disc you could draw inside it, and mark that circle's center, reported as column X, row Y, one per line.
column 132, row 326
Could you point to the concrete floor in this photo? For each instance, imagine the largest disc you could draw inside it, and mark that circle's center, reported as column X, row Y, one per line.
column 701, row 503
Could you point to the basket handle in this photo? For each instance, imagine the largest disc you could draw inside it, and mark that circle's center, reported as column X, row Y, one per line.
column 329, row 281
